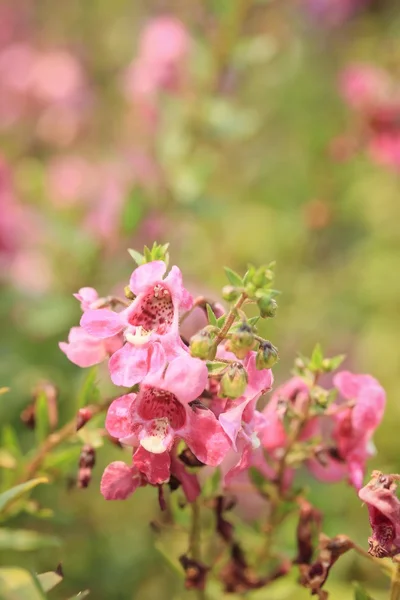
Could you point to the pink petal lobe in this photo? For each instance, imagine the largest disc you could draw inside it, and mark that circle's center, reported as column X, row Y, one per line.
column 186, row 377
column 118, row 423
column 82, row 349
column 205, row 437
column 119, row 481
column 156, row 467
column 190, row 483
column 101, row 323
column 146, row 275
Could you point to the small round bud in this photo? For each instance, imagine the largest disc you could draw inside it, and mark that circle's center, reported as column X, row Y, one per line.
column 234, row 381
column 267, row 356
column 230, row 293
column 201, row 344
column 267, row 306
column 241, row 340
column 128, row 293
column 82, row 417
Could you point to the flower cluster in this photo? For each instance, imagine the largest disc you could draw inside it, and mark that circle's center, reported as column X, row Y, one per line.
column 193, row 396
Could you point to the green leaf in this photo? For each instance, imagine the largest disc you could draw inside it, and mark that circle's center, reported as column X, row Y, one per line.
column 19, row 584
column 221, row 320
column 137, row 257
column 49, row 580
column 62, row 459
column 212, row 319
column 253, row 320
column 336, row 361
column 317, row 358
column 89, row 393
column 42, row 425
column 216, row 367
column 233, row 277
column 10, row 442
column 23, row 540
column 360, row 593
column 9, row 496
column 147, row 254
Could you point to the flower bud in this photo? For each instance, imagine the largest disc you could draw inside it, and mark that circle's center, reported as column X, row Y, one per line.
column 267, row 356
column 230, row 293
column 267, row 306
column 201, row 344
column 241, row 341
column 82, row 417
column 128, row 293
column 233, row 381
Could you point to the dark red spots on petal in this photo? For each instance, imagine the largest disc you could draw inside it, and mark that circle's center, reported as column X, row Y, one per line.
column 155, row 312
column 154, row 403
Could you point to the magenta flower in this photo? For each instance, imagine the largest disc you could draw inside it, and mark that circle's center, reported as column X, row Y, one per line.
column 152, row 317
column 384, row 514
column 119, row 481
column 160, row 414
column 353, row 428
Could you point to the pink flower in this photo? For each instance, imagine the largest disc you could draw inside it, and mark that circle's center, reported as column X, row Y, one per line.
column 353, row 428
column 82, row 348
column 119, row 481
column 364, row 86
column 384, row 514
column 152, row 317
column 160, row 413
column 85, row 351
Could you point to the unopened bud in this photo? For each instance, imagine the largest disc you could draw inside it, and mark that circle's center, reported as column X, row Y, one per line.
column 267, row 356
column 234, row 381
column 241, row 340
column 267, row 306
column 87, row 461
column 128, row 293
column 82, row 417
column 201, row 344
column 230, row 293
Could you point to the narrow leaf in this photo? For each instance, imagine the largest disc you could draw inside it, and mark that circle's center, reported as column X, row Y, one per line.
column 89, row 393
column 49, row 580
column 216, row 367
column 19, row 584
column 42, row 425
column 137, row 257
column 10, row 441
column 221, row 321
column 360, row 593
column 23, row 540
column 9, row 496
column 233, row 277
column 212, row 319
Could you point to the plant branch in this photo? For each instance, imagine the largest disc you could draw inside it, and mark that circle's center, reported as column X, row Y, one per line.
column 56, row 438
column 395, row 583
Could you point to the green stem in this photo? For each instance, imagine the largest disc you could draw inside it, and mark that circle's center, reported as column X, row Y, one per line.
column 395, row 583
column 195, row 540
column 228, row 324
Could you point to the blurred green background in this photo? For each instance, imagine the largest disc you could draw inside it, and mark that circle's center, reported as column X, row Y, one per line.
column 236, row 169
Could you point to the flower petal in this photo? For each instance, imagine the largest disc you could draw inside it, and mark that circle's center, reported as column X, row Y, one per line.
column 231, row 420
column 119, row 481
column 146, row 275
column 82, row 349
column 186, row 377
column 118, row 422
column 205, row 437
column 101, row 323
column 174, row 282
column 156, row 467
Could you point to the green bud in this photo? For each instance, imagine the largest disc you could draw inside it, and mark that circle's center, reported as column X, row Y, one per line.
column 230, row 293
column 128, row 293
column 267, row 356
column 267, row 306
column 233, row 381
column 241, row 340
column 201, row 344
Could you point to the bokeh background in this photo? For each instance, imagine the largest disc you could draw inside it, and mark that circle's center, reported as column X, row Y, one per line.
column 221, row 127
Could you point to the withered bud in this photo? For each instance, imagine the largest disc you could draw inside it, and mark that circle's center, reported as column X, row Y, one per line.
column 189, row 459
column 83, row 416
column 87, row 457
column 195, row 572
column 308, row 527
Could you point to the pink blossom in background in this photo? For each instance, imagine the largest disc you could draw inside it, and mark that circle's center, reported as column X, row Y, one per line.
column 334, row 12
column 70, row 179
column 159, row 66
column 374, row 97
